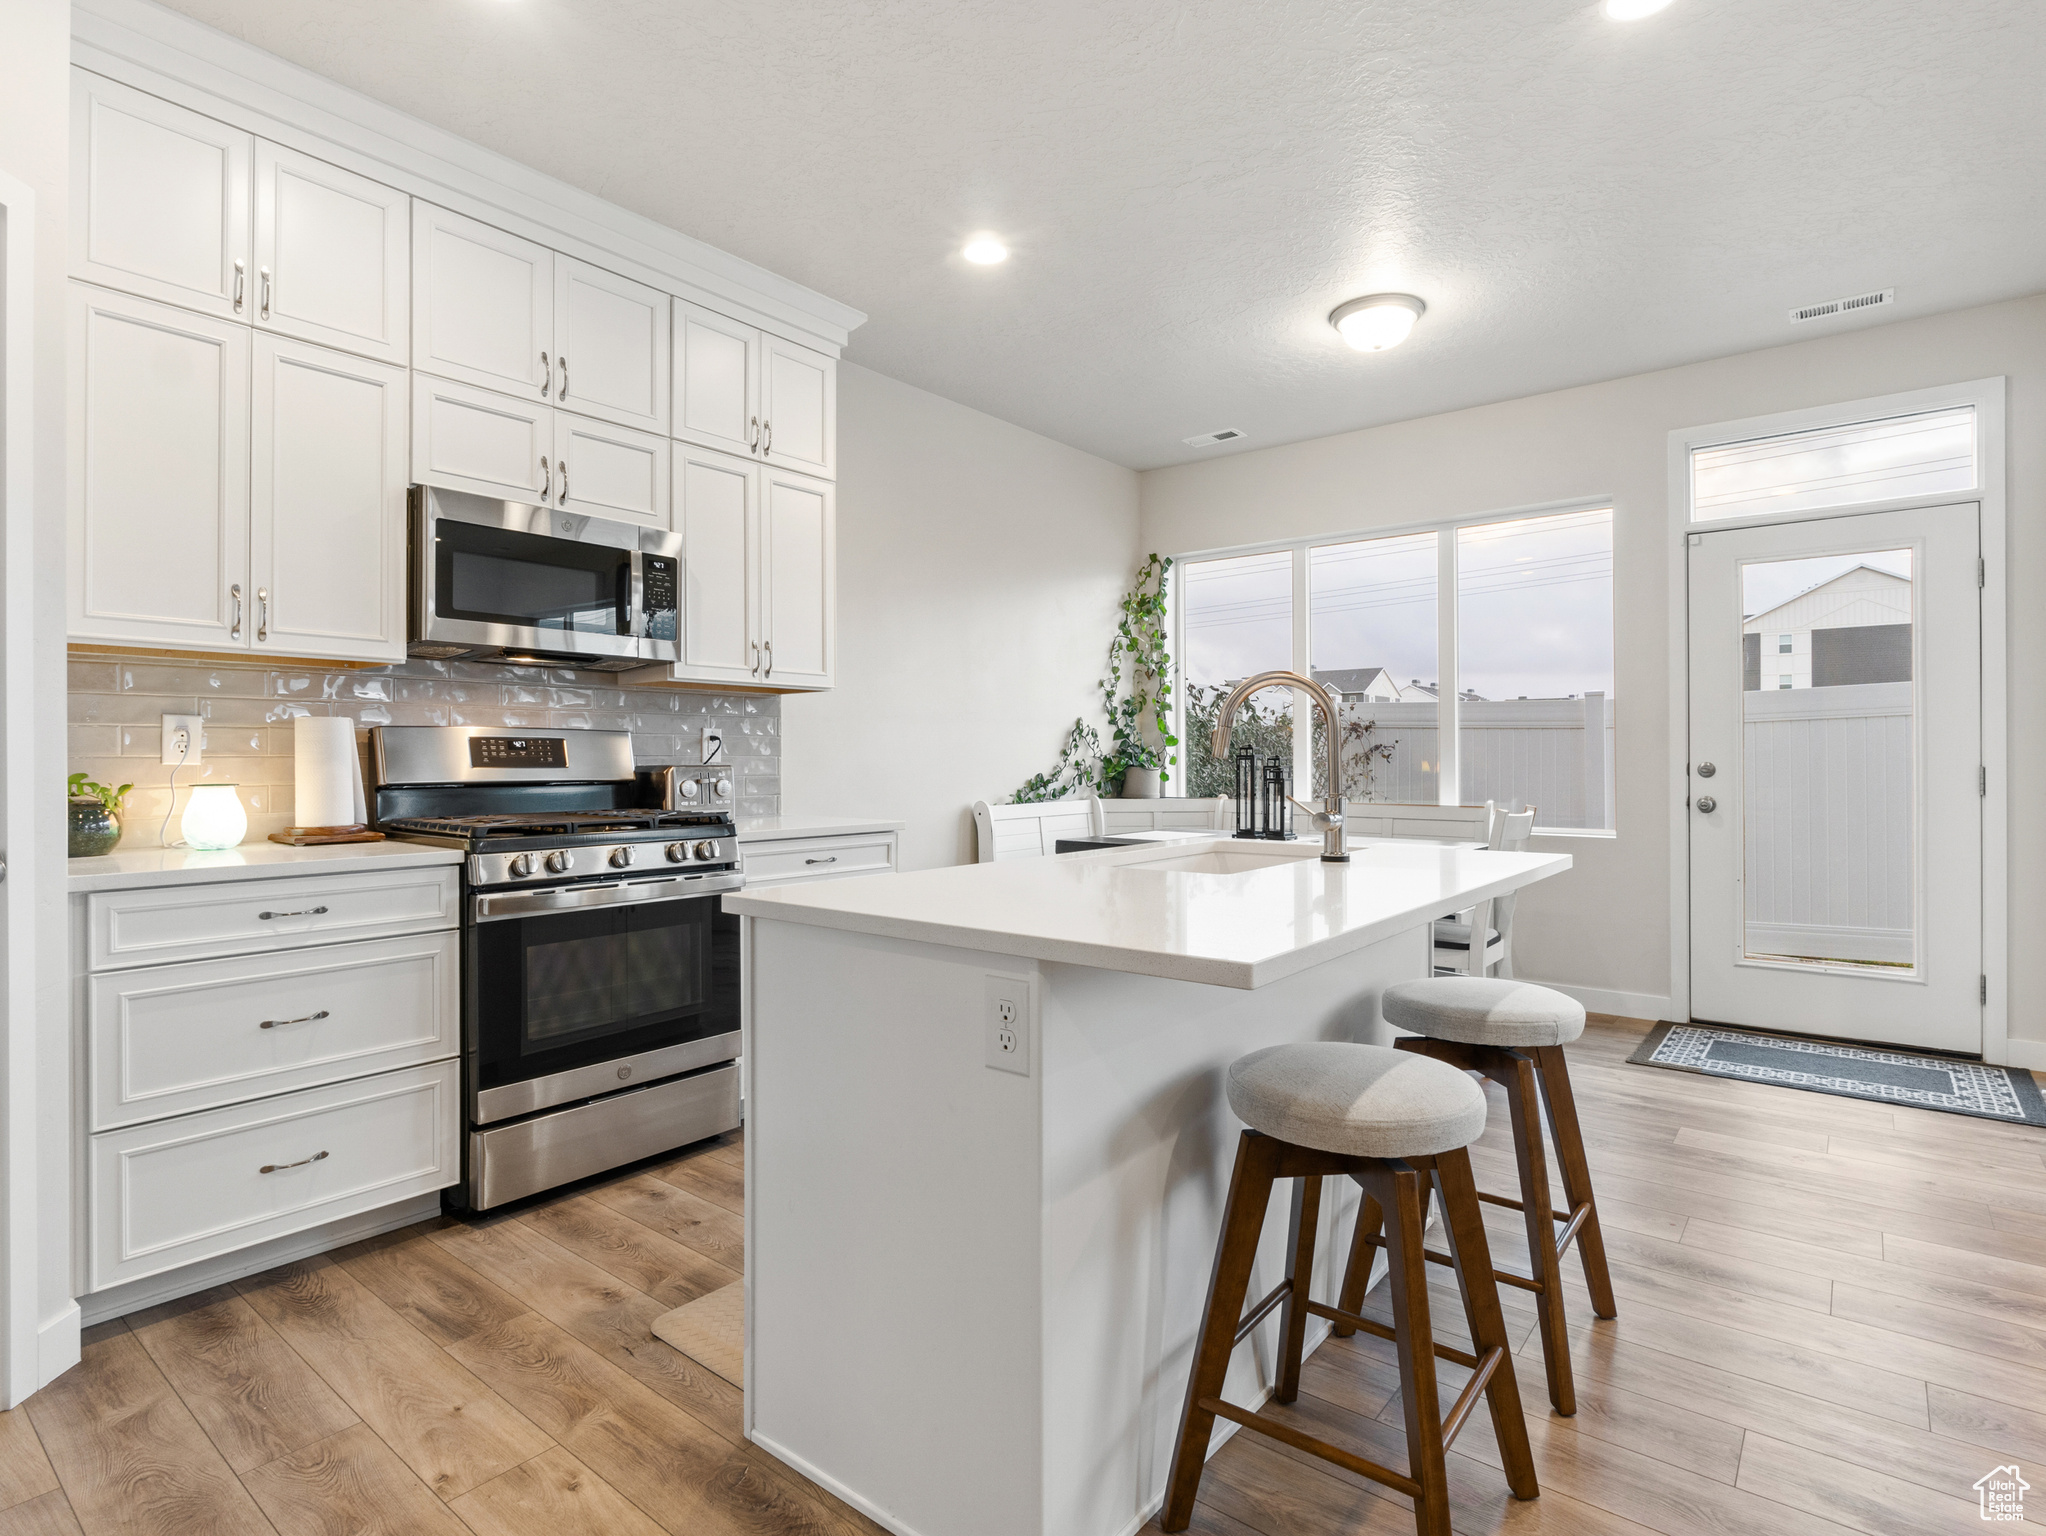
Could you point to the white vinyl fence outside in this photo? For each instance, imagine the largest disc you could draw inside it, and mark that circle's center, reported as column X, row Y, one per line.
column 1829, row 822
column 1528, row 750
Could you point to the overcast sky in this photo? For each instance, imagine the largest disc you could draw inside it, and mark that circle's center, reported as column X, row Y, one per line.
column 1770, row 582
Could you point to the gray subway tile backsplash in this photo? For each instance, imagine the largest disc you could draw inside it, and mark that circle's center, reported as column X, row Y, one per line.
column 116, row 725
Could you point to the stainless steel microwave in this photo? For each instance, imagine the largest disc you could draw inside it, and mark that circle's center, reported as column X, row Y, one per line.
column 502, row 581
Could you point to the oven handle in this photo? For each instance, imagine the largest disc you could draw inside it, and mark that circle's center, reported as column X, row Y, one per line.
column 496, row 908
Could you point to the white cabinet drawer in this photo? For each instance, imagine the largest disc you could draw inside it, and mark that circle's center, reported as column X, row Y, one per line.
column 821, row 858
column 249, row 917
column 177, row 1191
column 169, row 1039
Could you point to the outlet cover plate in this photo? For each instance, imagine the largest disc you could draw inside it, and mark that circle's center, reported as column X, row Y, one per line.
column 1007, row 1018
column 713, row 747
column 193, row 724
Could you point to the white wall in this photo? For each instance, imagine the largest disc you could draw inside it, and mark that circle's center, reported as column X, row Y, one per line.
column 34, row 147
column 978, row 571
column 1606, row 923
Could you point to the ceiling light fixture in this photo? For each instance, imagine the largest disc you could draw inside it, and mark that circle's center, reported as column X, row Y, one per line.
column 985, row 251
column 1633, row 10
column 1377, row 321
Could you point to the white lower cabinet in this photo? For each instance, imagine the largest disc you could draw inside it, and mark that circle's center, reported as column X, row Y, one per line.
column 785, row 861
column 174, row 1192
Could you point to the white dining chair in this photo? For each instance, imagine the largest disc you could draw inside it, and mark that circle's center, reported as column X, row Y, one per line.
column 1493, row 917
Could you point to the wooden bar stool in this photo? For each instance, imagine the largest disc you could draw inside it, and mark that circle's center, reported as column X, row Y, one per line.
column 1514, row 1034
column 1396, row 1124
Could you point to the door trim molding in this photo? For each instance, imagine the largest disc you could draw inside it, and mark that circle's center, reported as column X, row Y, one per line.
column 1987, row 396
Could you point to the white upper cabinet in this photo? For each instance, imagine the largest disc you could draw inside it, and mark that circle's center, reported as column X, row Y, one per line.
column 798, row 407
column 159, row 474
column 717, row 380
column 610, row 346
column 798, row 538
column 478, row 440
column 610, row 471
column 327, row 503
column 159, row 199
column 482, row 304
column 332, row 254
column 717, row 506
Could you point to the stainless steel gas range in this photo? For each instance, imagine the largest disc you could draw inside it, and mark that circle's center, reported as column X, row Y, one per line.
column 600, row 980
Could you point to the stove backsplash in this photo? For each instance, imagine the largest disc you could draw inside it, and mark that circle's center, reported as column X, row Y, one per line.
column 117, row 708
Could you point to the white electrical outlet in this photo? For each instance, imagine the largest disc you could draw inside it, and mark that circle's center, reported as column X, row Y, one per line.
column 193, row 729
column 1006, row 1023
column 713, row 745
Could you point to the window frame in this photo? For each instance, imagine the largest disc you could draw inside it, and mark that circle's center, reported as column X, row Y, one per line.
column 1449, row 680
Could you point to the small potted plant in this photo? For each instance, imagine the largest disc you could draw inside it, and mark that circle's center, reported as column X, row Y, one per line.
column 95, row 816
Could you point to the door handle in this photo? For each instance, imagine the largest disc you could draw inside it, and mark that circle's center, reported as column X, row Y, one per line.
column 1707, row 804
column 768, row 646
column 280, row 1167
column 262, row 613
column 236, row 631
column 309, row 1018
column 766, row 438
column 263, row 305
column 239, row 275
column 546, row 375
column 563, row 467
column 546, row 480
column 300, row 912
column 755, row 669
column 753, row 436
column 562, row 393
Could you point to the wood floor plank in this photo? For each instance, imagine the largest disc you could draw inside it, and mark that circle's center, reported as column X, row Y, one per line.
column 715, row 1180
column 350, row 1484
column 415, row 1277
column 1896, row 1152
column 638, row 1255
column 1998, row 1428
column 447, row 1426
column 251, row 1393
column 2013, row 1260
column 48, row 1515
column 1942, row 1325
column 688, row 1218
column 132, row 1459
column 552, row 1495
column 1853, row 1496
column 25, row 1472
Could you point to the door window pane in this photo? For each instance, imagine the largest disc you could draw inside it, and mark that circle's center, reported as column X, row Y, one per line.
column 1236, row 618
column 1922, row 455
column 1827, row 762
column 1535, row 653
column 1372, row 642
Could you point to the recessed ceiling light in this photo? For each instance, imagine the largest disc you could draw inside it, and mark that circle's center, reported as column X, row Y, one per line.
column 985, row 251
column 1377, row 321
column 1633, row 10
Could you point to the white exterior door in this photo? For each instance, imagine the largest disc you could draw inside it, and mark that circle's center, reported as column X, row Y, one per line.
column 610, row 471
column 159, row 199
column 798, row 543
column 482, row 304
column 717, row 512
column 332, row 255
column 1836, row 751
column 159, row 471
column 717, row 380
column 611, row 343
column 798, row 407
column 478, row 440
column 327, row 493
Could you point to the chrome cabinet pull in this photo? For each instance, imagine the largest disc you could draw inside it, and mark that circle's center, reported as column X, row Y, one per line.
column 236, row 631
column 310, row 1018
column 239, row 275
column 263, row 309
column 280, row 1167
column 753, row 436
column 563, row 467
column 769, row 646
column 756, row 657
column 832, row 860
column 546, row 375
column 262, row 613
column 546, row 479
column 562, row 393
column 766, row 438
column 301, row 912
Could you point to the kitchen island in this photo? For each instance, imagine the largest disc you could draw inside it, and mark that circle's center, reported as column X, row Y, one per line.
column 987, row 1149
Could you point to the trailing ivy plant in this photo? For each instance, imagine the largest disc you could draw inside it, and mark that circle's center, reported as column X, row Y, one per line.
column 1139, row 656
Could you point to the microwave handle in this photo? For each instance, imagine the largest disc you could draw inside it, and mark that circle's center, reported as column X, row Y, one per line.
column 636, row 613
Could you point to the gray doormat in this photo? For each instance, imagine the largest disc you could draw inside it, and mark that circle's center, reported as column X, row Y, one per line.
column 1850, row 1071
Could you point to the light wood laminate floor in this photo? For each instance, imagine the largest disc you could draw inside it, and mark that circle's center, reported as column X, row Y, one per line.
column 1832, row 1318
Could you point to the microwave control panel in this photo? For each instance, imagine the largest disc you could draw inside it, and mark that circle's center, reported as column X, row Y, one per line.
column 657, row 587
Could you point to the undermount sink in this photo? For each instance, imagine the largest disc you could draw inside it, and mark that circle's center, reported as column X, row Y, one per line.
column 1219, row 861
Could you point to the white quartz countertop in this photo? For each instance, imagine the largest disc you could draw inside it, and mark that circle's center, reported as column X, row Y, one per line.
column 1126, row 909
column 768, row 829
column 132, row 868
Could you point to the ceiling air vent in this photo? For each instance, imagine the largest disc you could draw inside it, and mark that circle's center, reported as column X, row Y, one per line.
column 1209, row 439
column 1843, row 306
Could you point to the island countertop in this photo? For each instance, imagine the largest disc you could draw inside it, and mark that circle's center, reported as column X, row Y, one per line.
column 1141, row 911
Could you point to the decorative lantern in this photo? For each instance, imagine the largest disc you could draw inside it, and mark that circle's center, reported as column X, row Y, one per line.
column 1248, row 780
column 1275, row 810
column 214, row 817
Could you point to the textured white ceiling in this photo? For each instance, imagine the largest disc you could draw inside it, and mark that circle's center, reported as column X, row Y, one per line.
column 1190, row 188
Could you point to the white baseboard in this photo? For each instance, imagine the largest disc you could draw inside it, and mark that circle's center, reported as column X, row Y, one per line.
column 2028, row 1054
column 120, row 1300
column 57, row 1346
column 832, row 1485
column 1628, row 1005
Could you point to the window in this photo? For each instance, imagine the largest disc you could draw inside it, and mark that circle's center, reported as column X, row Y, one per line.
column 1784, row 681
column 1924, row 454
column 1783, row 645
column 1525, row 718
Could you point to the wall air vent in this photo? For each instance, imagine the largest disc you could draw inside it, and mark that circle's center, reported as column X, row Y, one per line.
column 1860, row 301
column 1209, row 439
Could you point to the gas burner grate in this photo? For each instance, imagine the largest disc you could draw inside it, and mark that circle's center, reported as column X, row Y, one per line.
column 547, row 823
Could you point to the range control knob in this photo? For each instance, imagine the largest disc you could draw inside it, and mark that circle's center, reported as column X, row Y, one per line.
column 678, row 853
column 560, row 862
column 623, row 856
column 521, row 867
column 724, row 789
column 705, row 850
column 689, row 790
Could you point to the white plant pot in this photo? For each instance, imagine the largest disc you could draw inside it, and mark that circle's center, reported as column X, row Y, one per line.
column 1140, row 783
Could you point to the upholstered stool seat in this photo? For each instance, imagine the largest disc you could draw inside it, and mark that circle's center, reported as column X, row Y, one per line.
column 1360, row 1100
column 1484, row 1010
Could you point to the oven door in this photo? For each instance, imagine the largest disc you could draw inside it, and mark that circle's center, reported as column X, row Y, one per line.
column 581, row 991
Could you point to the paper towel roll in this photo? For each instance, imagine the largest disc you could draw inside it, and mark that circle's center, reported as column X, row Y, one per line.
column 326, row 772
